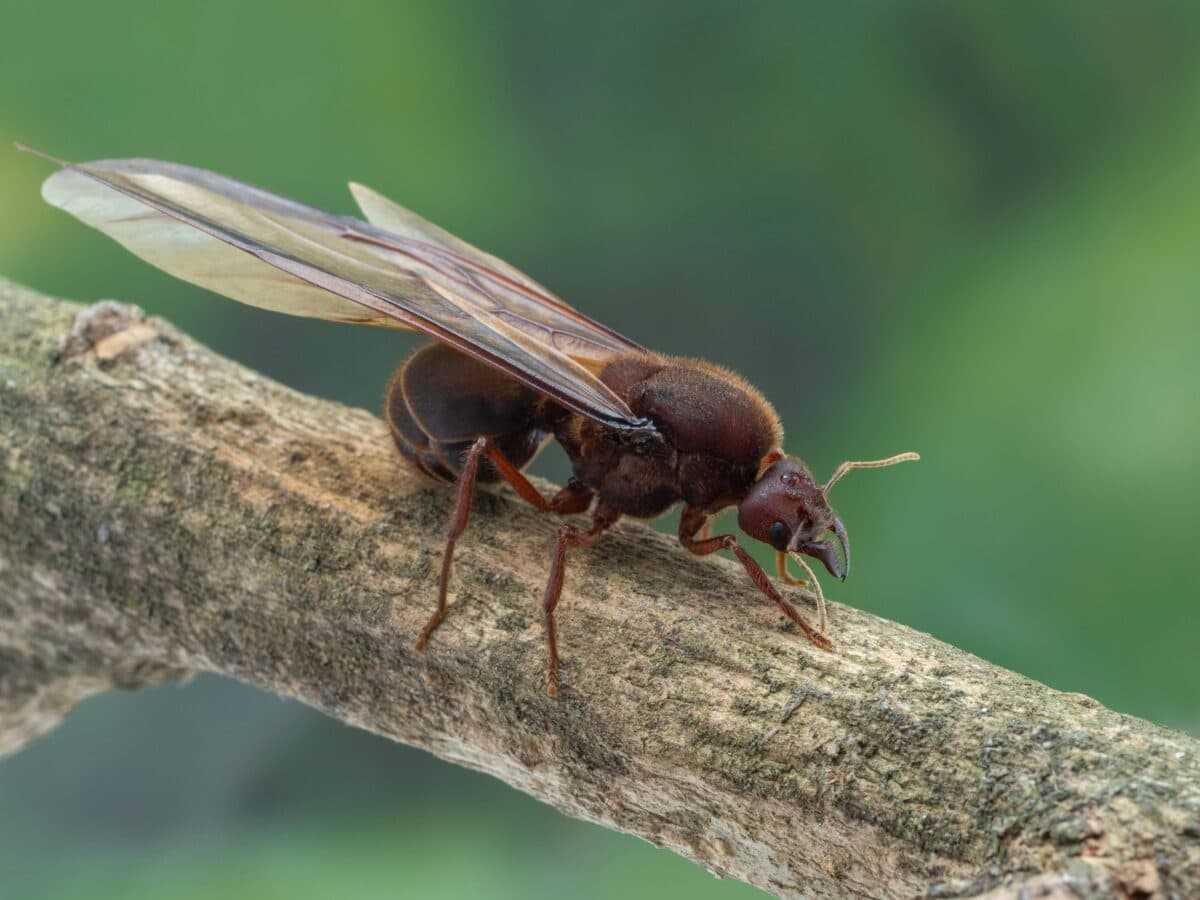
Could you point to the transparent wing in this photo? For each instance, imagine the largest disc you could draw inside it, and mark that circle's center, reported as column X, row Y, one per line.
column 503, row 290
column 277, row 254
column 179, row 247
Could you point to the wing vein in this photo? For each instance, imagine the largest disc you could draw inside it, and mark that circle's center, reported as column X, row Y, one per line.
column 485, row 309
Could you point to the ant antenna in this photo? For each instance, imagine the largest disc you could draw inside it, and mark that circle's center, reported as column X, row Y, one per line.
column 840, row 472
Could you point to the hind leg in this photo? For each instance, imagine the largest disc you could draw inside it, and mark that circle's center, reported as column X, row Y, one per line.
column 571, row 499
column 458, row 420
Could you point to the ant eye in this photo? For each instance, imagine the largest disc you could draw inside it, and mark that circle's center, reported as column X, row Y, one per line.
column 779, row 536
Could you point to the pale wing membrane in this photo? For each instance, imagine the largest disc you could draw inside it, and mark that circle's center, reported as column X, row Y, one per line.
column 505, row 291
column 195, row 256
column 391, row 216
column 299, row 260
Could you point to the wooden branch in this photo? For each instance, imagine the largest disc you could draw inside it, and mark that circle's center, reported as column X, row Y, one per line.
column 164, row 511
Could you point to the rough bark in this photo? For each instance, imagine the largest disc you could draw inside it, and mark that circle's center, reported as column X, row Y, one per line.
column 165, row 511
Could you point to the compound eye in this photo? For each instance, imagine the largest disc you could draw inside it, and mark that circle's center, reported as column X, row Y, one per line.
column 779, row 536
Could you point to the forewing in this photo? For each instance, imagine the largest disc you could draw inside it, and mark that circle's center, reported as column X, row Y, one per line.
column 179, row 248
column 271, row 252
column 501, row 289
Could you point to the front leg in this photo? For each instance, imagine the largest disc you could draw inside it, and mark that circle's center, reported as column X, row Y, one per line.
column 691, row 523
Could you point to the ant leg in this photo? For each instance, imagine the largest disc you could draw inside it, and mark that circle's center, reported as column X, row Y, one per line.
column 693, row 520
column 568, row 536
column 464, row 491
column 574, row 497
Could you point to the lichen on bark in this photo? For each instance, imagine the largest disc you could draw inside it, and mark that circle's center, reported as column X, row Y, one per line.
column 165, row 511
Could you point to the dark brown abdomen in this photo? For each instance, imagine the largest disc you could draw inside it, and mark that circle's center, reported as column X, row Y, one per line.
column 440, row 401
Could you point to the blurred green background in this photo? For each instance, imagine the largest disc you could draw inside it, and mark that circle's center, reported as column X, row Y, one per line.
column 968, row 229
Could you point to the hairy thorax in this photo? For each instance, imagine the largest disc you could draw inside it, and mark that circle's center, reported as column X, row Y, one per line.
column 716, row 430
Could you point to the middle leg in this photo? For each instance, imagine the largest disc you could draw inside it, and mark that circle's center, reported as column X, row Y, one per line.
column 568, row 536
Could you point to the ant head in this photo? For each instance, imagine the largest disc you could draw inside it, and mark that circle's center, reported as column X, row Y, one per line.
column 787, row 509
column 790, row 511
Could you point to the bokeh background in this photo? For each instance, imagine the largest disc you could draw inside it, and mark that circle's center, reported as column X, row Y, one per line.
column 970, row 229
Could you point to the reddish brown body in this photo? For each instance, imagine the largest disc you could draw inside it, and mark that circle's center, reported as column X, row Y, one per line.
column 513, row 365
column 714, row 437
column 715, row 429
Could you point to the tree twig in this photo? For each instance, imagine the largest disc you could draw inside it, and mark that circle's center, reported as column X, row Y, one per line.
column 165, row 511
